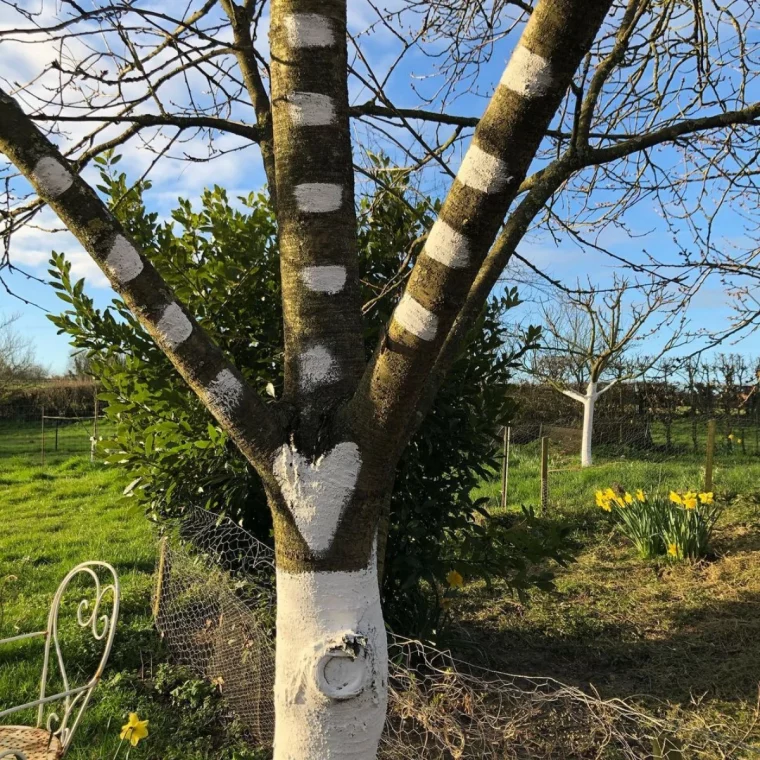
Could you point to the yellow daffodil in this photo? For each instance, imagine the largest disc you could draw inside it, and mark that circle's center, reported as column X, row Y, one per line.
column 628, row 498
column 738, row 440
column 640, row 495
column 690, row 503
column 673, row 550
column 706, row 498
column 609, row 494
column 676, row 498
column 731, row 436
column 602, row 501
column 134, row 730
column 454, row 579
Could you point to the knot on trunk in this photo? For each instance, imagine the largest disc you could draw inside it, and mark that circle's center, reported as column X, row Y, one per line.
column 343, row 671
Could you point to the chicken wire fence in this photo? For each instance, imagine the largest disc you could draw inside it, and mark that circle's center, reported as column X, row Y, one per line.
column 214, row 607
column 542, row 461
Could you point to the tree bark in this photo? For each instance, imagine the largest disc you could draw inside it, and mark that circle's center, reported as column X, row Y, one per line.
column 331, row 669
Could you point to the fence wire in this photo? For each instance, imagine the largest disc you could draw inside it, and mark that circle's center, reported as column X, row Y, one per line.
column 50, row 436
column 627, row 452
column 214, row 606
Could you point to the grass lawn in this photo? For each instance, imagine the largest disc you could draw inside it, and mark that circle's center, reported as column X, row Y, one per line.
column 675, row 637
column 25, row 439
column 52, row 519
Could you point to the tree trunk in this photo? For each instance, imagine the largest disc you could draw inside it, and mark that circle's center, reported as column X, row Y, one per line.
column 589, row 402
column 331, row 673
column 331, row 669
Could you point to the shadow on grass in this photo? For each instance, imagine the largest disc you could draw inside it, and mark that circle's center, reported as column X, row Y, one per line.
column 738, row 539
column 711, row 651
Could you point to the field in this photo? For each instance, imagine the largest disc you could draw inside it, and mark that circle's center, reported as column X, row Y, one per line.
column 674, row 638
column 668, row 462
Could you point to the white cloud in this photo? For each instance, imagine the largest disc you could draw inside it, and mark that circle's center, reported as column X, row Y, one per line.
column 31, row 248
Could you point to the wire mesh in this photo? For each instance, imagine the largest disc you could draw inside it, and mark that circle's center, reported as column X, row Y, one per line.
column 214, row 605
column 648, row 454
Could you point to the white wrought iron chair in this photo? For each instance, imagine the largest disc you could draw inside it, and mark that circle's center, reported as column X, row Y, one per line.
column 53, row 741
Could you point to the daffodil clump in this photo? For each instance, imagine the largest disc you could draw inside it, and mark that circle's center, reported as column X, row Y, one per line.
column 676, row 527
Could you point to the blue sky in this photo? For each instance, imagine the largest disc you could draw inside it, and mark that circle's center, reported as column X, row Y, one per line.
column 240, row 172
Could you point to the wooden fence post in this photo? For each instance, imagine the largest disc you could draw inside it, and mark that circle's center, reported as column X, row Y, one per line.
column 544, row 474
column 505, row 466
column 94, row 441
column 162, row 549
column 43, row 436
column 710, row 455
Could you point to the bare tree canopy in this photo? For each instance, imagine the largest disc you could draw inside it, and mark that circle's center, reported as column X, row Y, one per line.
column 605, row 109
column 660, row 115
column 605, row 336
column 590, row 339
column 18, row 365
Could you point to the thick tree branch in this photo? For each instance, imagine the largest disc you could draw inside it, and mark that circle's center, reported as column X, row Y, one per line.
column 612, row 383
column 324, row 351
column 556, row 37
column 572, row 394
column 495, row 262
column 218, row 383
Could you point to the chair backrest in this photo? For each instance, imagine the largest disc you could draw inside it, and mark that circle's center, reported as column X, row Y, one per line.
column 92, row 616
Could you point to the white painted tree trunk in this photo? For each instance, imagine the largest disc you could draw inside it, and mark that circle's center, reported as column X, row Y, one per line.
column 589, row 402
column 331, row 670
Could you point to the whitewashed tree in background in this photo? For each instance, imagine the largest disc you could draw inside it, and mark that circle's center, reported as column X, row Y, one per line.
column 587, row 335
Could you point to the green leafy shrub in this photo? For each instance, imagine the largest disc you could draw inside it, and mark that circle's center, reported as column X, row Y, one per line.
column 221, row 259
column 677, row 527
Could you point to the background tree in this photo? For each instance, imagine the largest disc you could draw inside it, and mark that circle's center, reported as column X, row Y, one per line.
column 587, row 335
column 590, row 109
column 18, row 364
column 80, row 365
